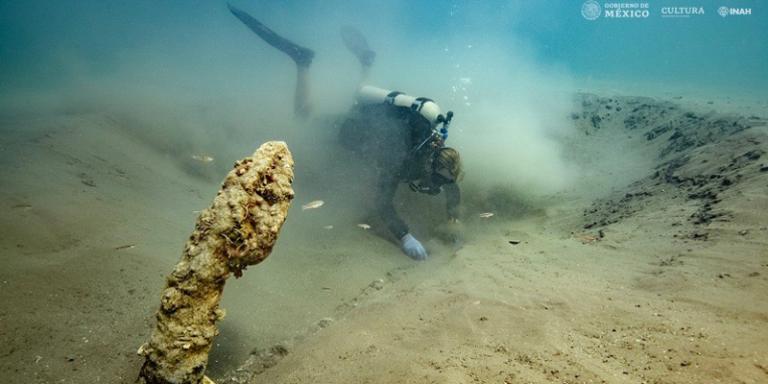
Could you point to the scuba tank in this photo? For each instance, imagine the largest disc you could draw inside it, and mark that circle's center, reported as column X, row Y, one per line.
column 425, row 107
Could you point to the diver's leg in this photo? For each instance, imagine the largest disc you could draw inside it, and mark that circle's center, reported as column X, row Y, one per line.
column 356, row 43
column 364, row 71
column 301, row 55
column 302, row 102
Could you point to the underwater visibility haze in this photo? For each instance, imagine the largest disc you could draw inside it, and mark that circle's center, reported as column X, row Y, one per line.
column 611, row 220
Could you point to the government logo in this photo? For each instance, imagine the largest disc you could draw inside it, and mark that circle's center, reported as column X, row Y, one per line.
column 725, row 11
column 590, row 10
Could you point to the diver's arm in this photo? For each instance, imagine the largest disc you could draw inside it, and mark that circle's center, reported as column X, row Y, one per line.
column 452, row 200
column 385, row 205
column 386, row 208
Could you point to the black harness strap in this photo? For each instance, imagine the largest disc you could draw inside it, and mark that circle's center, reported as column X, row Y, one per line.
column 390, row 99
column 419, row 103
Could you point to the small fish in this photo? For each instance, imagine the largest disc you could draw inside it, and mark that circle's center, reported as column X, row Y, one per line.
column 364, row 226
column 328, row 227
column 485, row 215
column 127, row 246
column 326, row 289
column 25, row 206
column 312, row 205
column 203, row 158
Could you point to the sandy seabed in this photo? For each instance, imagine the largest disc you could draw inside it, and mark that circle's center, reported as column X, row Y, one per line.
column 654, row 269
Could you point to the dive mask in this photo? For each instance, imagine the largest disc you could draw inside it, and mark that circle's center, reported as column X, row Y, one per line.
column 432, row 185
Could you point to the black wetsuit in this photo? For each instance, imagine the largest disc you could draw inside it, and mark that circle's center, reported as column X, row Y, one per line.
column 386, row 137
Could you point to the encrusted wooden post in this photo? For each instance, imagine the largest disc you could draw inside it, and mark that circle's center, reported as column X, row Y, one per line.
column 239, row 229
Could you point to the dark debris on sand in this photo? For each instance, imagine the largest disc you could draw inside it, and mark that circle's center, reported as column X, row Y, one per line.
column 701, row 157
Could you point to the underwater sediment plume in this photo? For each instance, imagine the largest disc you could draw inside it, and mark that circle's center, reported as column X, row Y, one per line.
column 239, row 229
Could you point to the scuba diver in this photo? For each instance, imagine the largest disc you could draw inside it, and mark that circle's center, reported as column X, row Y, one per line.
column 400, row 136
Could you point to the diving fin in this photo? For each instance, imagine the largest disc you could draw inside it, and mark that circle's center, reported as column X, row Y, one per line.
column 356, row 43
column 301, row 55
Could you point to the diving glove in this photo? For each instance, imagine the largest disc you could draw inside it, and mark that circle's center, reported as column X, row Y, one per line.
column 413, row 247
